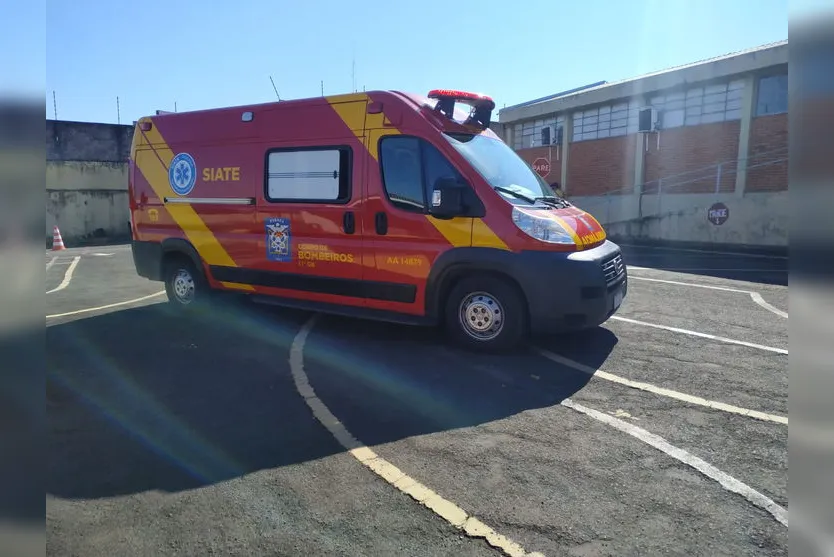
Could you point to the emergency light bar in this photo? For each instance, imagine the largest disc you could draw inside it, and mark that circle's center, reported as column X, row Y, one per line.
column 481, row 105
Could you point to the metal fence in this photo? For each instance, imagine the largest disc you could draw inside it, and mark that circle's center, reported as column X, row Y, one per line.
column 716, row 178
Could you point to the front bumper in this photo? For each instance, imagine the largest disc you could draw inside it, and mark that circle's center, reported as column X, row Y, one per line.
column 573, row 291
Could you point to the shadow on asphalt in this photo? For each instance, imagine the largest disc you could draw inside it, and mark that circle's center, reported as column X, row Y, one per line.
column 143, row 399
column 763, row 270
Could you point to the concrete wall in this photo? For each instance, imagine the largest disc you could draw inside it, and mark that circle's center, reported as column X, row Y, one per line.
column 757, row 219
column 86, row 181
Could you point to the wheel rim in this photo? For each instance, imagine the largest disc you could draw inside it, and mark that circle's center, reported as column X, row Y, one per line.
column 481, row 316
column 183, row 285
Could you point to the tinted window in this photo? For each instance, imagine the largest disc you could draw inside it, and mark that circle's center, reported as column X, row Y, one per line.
column 402, row 174
column 436, row 166
column 773, row 95
column 410, row 168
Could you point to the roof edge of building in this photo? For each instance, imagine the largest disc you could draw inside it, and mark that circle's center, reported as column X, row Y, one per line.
column 736, row 63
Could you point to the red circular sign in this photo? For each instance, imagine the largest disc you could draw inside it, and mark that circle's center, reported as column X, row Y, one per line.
column 542, row 167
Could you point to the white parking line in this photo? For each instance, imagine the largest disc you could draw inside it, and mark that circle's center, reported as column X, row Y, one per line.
column 67, row 276
column 754, row 295
column 108, row 306
column 443, row 508
column 727, row 482
column 759, row 300
column 51, row 262
column 648, row 387
column 690, row 250
column 701, row 335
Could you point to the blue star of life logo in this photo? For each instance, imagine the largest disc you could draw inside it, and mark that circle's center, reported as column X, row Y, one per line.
column 182, row 174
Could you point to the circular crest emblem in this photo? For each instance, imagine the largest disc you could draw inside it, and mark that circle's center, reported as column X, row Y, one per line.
column 182, row 174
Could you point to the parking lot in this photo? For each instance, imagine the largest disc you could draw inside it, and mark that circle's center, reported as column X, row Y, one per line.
column 252, row 430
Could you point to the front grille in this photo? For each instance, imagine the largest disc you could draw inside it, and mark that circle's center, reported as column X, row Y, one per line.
column 613, row 269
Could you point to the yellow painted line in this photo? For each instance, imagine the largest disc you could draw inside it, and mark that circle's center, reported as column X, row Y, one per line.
column 67, row 275
column 442, row 507
column 153, row 162
column 648, row 387
column 108, row 306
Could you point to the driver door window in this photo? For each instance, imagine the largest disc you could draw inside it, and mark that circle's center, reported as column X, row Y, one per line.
column 410, row 168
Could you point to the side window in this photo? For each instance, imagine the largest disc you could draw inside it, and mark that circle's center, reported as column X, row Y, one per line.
column 773, row 95
column 310, row 175
column 410, row 169
column 436, row 166
column 402, row 173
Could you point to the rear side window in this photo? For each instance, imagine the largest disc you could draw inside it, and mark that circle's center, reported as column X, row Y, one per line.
column 308, row 175
column 410, row 168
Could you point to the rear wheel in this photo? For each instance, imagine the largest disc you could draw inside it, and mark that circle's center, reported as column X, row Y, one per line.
column 486, row 313
column 184, row 284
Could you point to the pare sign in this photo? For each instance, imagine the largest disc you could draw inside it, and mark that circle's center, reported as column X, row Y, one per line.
column 718, row 214
column 542, row 167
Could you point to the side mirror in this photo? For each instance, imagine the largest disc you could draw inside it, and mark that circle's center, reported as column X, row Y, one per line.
column 447, row 199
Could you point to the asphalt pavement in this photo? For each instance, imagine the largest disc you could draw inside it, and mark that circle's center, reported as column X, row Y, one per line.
column 661, row 432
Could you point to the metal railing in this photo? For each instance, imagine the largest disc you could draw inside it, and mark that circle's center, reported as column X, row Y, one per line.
column 716, row 178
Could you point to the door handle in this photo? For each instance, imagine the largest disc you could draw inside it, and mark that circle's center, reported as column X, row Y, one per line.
column 381, row 223
column 349, row 223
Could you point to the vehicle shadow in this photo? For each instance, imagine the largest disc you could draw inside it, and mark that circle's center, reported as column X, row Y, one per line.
column 763, row 270
column 143, row 399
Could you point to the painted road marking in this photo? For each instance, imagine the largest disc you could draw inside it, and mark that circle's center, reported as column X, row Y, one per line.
column 67, row 275
column 761, row 301
column 754, row 295
column 443, row 508
column 108, row 306
column 648, row 387
column 51, row 262
column 727, row 482
column 701, row 335
column 690, row 250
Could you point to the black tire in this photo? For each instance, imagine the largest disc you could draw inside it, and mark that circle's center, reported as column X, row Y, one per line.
column 185, row 285
column 494, row 307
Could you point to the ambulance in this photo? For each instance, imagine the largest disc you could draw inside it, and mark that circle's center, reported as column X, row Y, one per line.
column 383, row 205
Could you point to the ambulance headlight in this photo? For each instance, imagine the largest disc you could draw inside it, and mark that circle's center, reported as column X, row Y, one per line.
column 541, row 228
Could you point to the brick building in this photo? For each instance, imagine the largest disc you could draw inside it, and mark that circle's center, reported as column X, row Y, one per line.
column 715, row 126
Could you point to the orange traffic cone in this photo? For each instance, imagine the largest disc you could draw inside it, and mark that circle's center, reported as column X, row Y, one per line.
column 57, row 241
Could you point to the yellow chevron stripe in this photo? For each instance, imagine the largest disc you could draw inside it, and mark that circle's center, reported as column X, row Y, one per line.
column 153, row 157
column 460, row 232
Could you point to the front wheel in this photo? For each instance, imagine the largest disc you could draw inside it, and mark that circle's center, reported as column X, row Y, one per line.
column 184, row 285
column 486, row 313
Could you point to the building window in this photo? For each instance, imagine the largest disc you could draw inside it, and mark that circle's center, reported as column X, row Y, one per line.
column 529, row 134
column 606, row 121
column 313, row 175
column 772, row 97
column 410, row 169
column 717, row 102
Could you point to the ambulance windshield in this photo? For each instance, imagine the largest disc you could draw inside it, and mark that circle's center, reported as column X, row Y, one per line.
column 501, row 167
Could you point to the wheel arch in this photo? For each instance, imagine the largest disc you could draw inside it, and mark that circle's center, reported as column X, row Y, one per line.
column 454, row 265
column 179, row 247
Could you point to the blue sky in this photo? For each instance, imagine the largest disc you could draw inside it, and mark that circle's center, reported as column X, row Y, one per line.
column 154, row 53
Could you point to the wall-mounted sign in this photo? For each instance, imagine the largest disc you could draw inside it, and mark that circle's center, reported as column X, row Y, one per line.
column 542, row 167
column 718, row 214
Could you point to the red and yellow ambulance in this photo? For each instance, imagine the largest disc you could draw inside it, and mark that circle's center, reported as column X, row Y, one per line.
column 382, row 205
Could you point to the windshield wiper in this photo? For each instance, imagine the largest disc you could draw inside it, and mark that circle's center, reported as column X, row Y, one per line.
column 554, row 201
column 515, row 194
